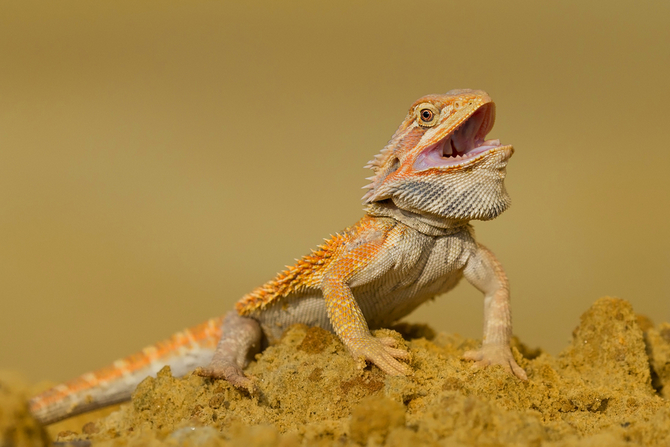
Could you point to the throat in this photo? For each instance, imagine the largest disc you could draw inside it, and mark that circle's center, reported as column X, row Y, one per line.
column 428, row 224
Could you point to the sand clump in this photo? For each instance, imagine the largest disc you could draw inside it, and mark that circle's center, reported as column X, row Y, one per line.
column 17, row 426
column 609, row 387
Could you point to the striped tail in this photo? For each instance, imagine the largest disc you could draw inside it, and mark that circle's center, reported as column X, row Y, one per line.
column 183, row 352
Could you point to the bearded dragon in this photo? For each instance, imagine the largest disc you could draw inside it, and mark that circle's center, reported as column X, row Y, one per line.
column 414, row 242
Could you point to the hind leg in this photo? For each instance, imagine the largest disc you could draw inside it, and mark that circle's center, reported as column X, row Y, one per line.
column 240, row 341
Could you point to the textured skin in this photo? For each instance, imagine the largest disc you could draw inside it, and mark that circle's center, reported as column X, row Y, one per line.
column 413, row 243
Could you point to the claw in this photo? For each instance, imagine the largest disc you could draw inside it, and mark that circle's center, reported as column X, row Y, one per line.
column 388, row 341
column 233, row 375
column 496, row 355
column 382, row 353
column 398, row 353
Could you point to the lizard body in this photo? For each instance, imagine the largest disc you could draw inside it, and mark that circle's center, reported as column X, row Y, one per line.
column 435, row 175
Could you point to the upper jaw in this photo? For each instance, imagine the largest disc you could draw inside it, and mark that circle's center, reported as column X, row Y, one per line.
column 464, row 145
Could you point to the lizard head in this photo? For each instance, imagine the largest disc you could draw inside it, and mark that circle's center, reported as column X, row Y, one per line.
column 439, row 163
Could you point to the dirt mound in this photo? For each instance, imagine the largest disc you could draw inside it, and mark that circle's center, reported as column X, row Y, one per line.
column 609, row 387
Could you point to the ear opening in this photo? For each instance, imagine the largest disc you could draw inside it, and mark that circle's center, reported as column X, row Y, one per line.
column 394, row 166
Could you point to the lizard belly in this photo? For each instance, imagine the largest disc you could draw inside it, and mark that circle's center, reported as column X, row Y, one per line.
column 309, row 309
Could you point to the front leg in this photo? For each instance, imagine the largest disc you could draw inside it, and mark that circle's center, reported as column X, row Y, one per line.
column 485, row 273
column 345, row 314
column 350, row 326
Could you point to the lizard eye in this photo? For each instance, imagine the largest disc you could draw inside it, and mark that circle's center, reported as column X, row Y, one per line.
column 427, row 115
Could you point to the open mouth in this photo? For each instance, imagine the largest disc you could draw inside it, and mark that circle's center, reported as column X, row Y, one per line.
column 464, row 145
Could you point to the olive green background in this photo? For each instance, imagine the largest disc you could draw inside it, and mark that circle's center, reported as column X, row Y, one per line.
column 160, row 159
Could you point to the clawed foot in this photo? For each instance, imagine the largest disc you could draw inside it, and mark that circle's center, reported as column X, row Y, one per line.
column 382, row 352
column 230, row 373
column 496, row 355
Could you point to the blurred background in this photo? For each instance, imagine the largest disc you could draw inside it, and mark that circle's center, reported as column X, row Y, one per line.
column 160, row 159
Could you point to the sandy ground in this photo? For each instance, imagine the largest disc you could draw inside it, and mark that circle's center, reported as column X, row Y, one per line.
column 610, row 386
